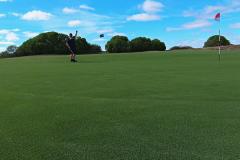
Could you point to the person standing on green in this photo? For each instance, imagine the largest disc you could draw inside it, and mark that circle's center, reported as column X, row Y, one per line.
column 71, row 44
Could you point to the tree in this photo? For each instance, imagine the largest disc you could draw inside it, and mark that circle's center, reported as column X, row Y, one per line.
column 4, row 54
column 52, row 43
column 157, row 45
column 95, row 49
column 214, row 41
column 118, row 44
column 9, row 52
column 11, row 49
column 141, row 44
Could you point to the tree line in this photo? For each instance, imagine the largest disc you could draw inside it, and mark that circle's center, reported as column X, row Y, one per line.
column 120, row 44
column 53, row 43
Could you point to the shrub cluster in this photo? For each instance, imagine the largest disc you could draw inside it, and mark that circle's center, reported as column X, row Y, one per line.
column 214, row 41
column 53, row 43
column 119, row 44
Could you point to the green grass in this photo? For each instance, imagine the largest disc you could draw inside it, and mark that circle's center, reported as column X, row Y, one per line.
column 181, row 105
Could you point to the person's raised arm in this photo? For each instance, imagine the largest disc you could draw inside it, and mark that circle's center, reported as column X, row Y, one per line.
column 76, row 34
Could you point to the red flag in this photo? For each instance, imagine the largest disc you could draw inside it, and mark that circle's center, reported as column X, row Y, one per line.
column 218, row 17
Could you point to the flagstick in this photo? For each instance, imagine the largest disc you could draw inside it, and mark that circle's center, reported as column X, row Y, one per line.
column 219, row 47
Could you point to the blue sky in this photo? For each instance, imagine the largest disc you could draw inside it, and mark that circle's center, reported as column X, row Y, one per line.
column 182, row 22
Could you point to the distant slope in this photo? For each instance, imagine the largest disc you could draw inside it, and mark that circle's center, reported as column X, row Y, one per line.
column 230, row 47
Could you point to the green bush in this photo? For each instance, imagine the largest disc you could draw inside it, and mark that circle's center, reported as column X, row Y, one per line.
column 5, row 54
column 141, row 44
column 95, row 49
column 214, row 41
column 52, row 43
column 118, row 44
column 157, row 45
column 9, row 52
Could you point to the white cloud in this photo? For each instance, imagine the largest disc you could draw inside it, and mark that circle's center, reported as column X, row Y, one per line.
column 86, row 7
column 16, row 14
column 4, row 31
column 5, row 0
column 197, row 24
column 171, row 29
column 150, row 9
column 212, row 9
column 202, row 16
column 99, row 40
column 208, row 12
column 6, row 43
column 83, row 23
column 143, row 17
column 104, row 31
column 15, row 30
column 150, row 6
column 86, row 22
column 67, row 10
column 233, row 6
column 74, row 23
column 191, row 25
column 10, row 35
column 2, row 15
column 90, row 22
column 116, row 34
column 36, row 15
column 235, row 26
column 29, row 34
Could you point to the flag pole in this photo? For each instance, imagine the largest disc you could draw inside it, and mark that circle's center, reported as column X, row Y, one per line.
column 219, row 46
column 218, row 17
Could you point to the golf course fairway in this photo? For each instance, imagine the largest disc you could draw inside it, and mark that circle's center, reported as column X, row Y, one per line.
column 182, row 105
